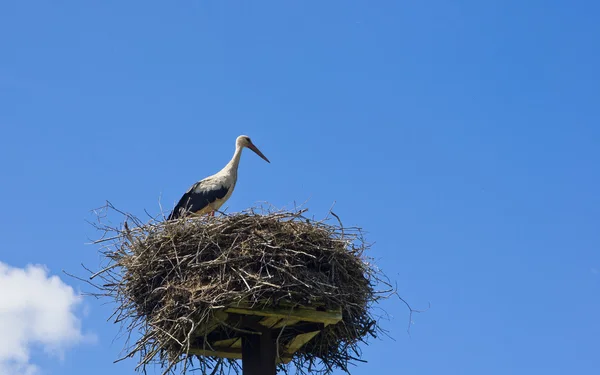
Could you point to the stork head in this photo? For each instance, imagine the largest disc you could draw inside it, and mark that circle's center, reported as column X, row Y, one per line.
column 244, row 141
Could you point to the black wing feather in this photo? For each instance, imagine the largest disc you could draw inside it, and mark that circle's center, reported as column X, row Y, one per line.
column 193, row 200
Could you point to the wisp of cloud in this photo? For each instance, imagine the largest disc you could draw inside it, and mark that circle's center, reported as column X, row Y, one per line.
column 35, row 309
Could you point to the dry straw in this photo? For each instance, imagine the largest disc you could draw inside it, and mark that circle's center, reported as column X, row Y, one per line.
column 167, row 279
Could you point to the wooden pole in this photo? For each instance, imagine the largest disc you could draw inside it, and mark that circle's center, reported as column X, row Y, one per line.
column 258, row 354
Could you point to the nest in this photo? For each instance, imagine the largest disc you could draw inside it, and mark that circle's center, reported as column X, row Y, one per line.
column 170, row 279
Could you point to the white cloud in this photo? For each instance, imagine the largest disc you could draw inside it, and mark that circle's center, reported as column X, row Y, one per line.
column 36, row 310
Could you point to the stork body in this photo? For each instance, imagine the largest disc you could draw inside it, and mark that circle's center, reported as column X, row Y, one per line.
column 208, row 195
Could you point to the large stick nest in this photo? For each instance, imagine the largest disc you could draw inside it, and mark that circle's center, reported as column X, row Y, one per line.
column 168, row 278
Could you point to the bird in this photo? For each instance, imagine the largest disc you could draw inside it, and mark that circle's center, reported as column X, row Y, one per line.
column 208, row 195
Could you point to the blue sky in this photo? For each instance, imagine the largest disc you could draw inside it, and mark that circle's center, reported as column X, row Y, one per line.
column 463, row 136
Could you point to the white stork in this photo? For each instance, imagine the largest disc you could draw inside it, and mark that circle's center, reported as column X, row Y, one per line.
column 209, row 194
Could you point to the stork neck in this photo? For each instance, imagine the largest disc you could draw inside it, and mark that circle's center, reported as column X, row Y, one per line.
column 235, row 160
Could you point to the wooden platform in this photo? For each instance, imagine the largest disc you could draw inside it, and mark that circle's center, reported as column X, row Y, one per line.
column 289, row 327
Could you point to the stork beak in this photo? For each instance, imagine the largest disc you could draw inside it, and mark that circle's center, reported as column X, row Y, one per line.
column 257, row 151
